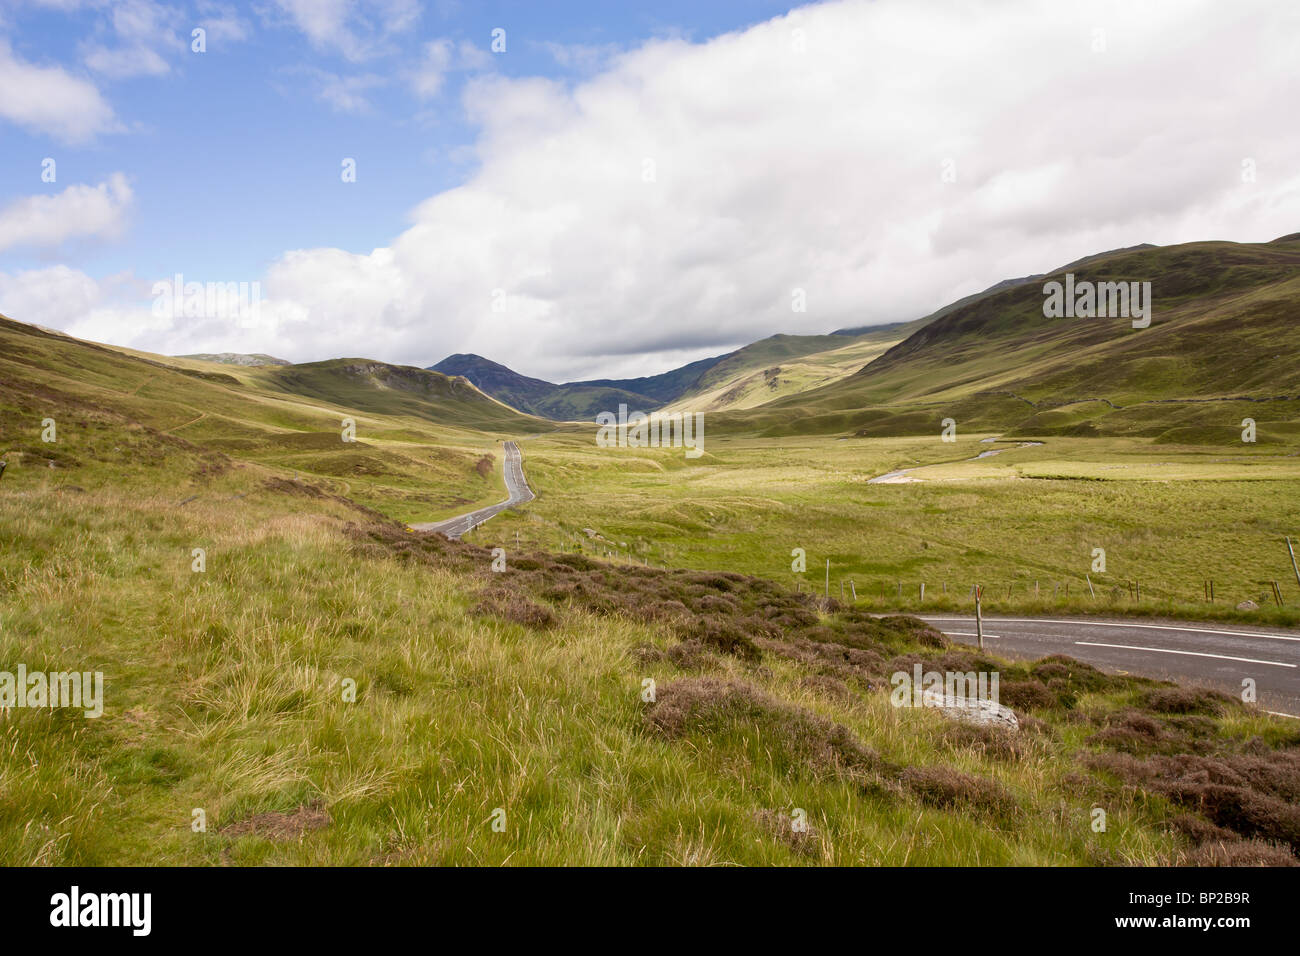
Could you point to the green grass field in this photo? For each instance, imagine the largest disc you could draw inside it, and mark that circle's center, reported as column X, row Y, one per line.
column 1167, row 517
column 331, row 688
column 225, row 694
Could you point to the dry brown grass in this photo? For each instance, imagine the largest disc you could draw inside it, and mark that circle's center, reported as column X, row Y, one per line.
column 950, row 789
column 706, row 706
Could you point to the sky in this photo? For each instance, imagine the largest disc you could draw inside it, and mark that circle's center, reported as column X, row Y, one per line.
column 582, row 190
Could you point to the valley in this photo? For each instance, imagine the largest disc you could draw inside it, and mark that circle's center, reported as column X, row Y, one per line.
column 677, row 655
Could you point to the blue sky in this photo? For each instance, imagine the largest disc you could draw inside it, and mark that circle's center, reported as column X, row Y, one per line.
column 233, row 156
column 628, row 186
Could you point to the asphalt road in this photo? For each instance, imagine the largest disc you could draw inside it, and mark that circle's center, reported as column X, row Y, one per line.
column 1202, row 654
column 516, row 487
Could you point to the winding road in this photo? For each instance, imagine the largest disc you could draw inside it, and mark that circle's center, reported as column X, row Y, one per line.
column 1193, row 654
column 516, row 487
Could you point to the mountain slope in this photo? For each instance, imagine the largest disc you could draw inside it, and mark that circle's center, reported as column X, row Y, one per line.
column 782, row 365
column 1221, row 344
column 756, row 373
column 663, row 387
column 426, row 445
column 371, row 386
column 574, row 401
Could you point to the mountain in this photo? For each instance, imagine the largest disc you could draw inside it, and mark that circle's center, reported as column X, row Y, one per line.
column 575, row 401
column 663, row 387
column 747, row 376
column 1220, row 347
column 786, row 364
column 237, row 358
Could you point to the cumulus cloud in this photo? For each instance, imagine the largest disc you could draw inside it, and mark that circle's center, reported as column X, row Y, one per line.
column 78, row 212
column 55, row 297
column 50, row 100
column 884, row 158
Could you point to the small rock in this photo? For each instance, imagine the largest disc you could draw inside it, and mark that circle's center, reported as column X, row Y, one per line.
column 970, row 709
column 1247, row 606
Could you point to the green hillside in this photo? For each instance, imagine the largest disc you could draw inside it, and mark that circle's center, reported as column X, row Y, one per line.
column 370, row 386
column 421, row 439
column 1220, row 348
column 783, row 365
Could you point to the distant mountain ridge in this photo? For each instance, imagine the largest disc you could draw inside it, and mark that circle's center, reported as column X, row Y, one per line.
column 710, row 379
column 765, row 370
column 572, row 401
column 249, row 359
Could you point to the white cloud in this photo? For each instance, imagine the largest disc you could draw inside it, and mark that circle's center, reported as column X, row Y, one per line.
column 439, row 58
column 144, row 32
column 223, row 22
column 50, row 100
column 345, row 94
column 582, row 57
column 122, row 62
column 355, row 29
column 55, row 297
column 777, row 169
column 78, row 212
column 63, row 298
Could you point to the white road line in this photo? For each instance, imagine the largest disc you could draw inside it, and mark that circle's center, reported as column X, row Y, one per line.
column 1154, row 627
column 1165, row 650
column 969, row 634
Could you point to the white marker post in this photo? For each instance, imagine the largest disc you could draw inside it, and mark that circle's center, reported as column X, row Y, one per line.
column 979, row 616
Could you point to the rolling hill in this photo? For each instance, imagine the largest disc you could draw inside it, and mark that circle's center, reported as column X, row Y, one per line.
column 421, row 437
column 783, row 365
column 1220, row 347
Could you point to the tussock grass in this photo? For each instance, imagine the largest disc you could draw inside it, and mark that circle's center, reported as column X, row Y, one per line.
column 225, row 693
